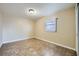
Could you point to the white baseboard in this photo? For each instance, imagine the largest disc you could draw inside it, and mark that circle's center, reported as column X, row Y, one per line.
column 39, row 39
column 56, row 44
column 16, row 40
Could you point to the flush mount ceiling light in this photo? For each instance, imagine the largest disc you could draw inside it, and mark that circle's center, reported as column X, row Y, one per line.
column 30, row 11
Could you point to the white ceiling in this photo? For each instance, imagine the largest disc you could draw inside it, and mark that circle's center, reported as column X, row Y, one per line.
column 43, row 9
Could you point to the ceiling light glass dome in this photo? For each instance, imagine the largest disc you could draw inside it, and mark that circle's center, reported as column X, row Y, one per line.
column 31, row 11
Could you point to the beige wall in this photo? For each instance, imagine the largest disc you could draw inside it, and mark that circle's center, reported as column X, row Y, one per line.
column 17, row 28
column 66, row 30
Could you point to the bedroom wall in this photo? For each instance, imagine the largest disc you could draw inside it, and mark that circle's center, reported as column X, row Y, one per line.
column 17, row 28
column 66, row 29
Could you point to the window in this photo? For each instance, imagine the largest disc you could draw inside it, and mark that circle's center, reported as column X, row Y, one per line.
column 51, row 25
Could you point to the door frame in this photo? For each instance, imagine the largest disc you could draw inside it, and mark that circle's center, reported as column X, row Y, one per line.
column 76, row 13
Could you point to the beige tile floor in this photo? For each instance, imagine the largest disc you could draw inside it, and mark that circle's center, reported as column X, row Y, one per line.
column 34, row 47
